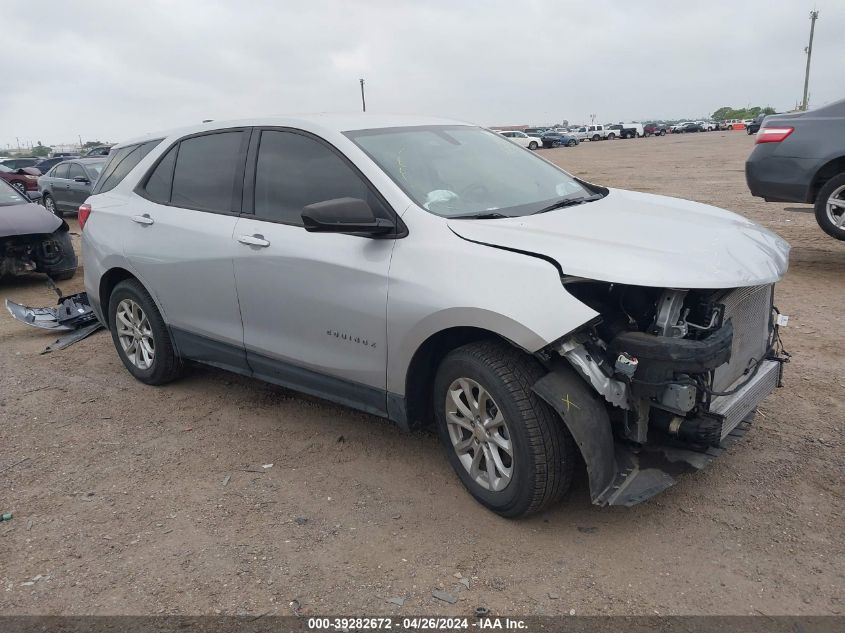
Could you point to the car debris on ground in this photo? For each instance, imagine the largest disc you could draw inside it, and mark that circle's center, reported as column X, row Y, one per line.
column 72, row 314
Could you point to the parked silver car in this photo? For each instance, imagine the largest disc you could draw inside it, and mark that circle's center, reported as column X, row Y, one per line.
column 429, row 271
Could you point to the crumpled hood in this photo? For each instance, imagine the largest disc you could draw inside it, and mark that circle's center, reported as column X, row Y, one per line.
column 26, row 219
column 645, row 240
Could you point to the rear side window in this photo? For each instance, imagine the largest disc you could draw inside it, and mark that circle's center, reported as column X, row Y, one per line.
column 206, row 166
column 294, row 171
column 160, row 183
column 120, row 163
column 61, row 170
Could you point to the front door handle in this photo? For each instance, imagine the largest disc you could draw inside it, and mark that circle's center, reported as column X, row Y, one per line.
column 254, row 240
column 143, row 219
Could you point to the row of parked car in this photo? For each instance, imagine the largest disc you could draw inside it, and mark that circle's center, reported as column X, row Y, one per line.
column 77, row 172
column 535, row 138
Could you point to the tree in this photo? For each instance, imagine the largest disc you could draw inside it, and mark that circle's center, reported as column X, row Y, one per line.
column 89, row 144
column 41, row 150
column 727, row 112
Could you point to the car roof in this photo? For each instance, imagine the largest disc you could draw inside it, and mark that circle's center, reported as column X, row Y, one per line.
column 322, row 122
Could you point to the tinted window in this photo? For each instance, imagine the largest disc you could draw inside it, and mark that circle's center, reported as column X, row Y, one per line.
column 94, row 169
column 205, row 171
column 61, row 170
column 76, row 171
column 294, row 171
column 160, row 181
column 121, row 162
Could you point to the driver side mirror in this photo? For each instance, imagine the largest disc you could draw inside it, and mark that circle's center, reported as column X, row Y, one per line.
column 344, row 215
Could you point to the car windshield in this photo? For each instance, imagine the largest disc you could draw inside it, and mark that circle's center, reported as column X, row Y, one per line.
column 9, row 195
column 459, row 171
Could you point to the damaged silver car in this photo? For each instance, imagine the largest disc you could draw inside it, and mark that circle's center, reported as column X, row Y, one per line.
column 432, row 272
column 32, row 239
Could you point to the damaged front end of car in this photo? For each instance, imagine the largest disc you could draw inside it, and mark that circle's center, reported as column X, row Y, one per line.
column 50, row 253
column 662, row 381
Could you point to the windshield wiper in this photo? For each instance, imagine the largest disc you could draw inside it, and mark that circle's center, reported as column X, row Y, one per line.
column 491, row 215
column 569, row 202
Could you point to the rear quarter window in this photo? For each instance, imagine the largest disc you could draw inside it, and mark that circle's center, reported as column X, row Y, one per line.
column 120, row 163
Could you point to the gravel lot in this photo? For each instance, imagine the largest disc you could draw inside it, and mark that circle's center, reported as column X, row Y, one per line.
column 138, row 500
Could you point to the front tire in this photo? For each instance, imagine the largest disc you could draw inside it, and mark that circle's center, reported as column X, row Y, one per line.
column 611, row 136
column 830, row 207
column 507, row 446
column 140, row 335
column 572, row 143
column 596, row 137
column 21, row 188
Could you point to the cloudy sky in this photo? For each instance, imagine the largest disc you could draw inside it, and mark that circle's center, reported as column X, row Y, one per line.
column 114, row 69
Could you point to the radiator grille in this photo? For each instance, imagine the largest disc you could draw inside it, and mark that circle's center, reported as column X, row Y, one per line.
column 735, row 408
column 749, row 310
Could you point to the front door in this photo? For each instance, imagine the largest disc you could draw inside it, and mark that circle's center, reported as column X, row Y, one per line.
column 79, row 186
column 313, row 304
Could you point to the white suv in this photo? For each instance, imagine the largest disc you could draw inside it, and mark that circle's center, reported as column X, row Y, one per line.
column 431, row 272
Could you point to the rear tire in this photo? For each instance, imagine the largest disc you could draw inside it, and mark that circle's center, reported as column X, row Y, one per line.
column 143, row 339
column 831, row 218
column 50, row 205
column 596, row 137
column 572, row 143
column 492, row 382
column 532, row 145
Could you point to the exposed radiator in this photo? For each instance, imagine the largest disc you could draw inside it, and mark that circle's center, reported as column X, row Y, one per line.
column 749, row 310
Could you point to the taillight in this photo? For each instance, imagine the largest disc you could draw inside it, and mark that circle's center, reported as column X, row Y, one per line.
column 82, row 215
column 773, row 134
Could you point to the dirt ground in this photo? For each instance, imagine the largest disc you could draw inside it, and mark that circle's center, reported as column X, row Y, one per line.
column 139, row 500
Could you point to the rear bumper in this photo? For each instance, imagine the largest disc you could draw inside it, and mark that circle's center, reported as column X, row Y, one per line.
column 779, row 178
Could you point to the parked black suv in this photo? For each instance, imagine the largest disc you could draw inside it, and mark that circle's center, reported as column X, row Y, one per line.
column 800, row 157
column 754, row 126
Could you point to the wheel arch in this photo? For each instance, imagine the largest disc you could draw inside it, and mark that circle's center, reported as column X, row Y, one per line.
column 107, row 284
column 419, row 377
column 827, row 171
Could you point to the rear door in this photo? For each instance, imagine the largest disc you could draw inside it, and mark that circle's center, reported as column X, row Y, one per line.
column 59, row 186
column 313, row 304
column 178, row 238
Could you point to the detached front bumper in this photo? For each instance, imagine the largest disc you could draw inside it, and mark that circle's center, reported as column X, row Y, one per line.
column 627, row 474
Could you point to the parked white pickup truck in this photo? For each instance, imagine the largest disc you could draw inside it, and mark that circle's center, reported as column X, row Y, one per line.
column 599, row 132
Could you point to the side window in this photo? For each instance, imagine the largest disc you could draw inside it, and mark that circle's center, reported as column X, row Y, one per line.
column 61, row 170
column 294, row 171
column 160, row 183
column 75, row 171
column 206, row 166
column 120, row 163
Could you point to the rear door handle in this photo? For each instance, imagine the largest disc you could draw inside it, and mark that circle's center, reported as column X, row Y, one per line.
column 254, row 240
column 143, row 219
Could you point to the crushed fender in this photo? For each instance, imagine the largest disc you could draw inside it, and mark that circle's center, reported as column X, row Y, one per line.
column 72, row 314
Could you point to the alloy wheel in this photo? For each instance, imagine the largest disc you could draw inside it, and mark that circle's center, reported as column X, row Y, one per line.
column 135, row 334
column 836, row 207
column 20, row 187
column 479, row 434
column 50, row 205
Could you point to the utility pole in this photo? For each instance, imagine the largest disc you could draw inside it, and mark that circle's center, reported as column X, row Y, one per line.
column 363, row 103
column 814, row 15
